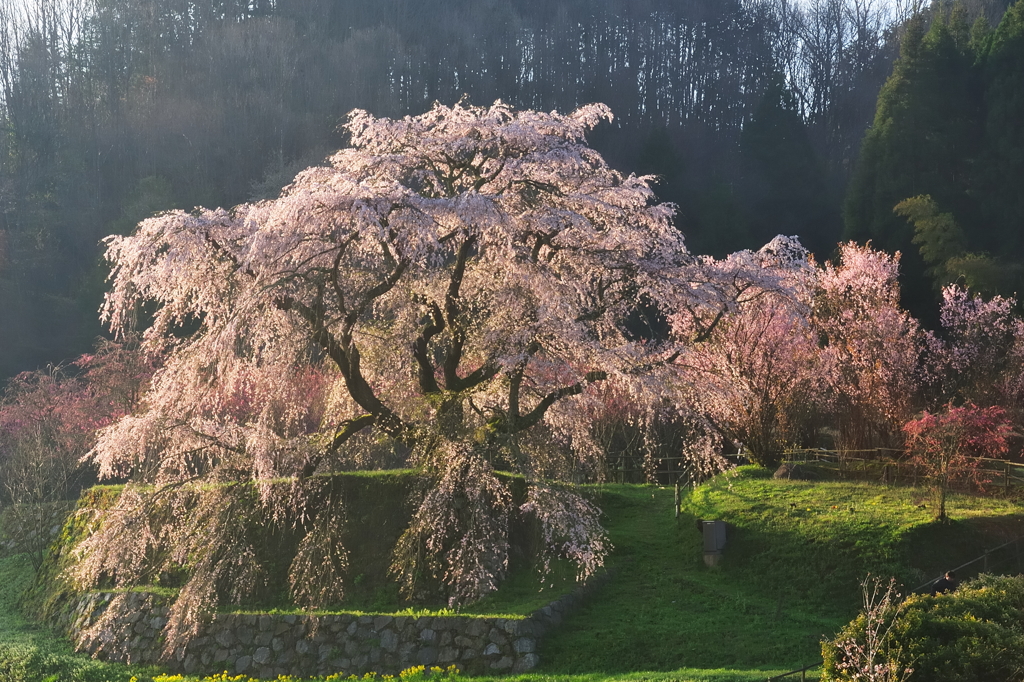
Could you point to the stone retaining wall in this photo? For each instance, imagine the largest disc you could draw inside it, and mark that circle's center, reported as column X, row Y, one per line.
column 128, row 627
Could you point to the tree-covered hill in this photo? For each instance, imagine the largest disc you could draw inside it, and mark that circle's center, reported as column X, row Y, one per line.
column 751, row 112
column 947, row 142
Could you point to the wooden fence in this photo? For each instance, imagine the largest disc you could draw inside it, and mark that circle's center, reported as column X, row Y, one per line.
column 887, row 465
column 802, row 672
column 1006, row 559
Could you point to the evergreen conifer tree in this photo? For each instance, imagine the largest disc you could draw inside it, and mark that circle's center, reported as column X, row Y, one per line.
column 924, row 140
column 1002, row 166
column 786, row 186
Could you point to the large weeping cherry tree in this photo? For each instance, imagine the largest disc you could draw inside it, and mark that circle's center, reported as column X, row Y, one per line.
column 456, row 284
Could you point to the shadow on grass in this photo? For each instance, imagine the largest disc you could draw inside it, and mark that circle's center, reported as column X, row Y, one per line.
column 932, row 549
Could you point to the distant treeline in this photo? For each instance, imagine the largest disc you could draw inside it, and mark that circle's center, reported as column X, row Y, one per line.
column 751, row 111
column 946, row 150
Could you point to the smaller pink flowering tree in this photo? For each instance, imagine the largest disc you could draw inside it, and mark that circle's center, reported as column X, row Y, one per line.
column 48, row 421
column 870, row 345
column 757, row 378
column 983, row 351
column 947, row 445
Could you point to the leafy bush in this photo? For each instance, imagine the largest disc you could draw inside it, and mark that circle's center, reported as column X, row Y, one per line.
column 56, row 663
column 973, row 635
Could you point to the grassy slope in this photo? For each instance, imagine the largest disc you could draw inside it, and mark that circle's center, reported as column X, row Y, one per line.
column 15, row 574
column 796, row 552
column 29, row 652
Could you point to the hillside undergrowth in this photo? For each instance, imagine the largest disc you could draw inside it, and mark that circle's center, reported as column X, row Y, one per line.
column 31, row 653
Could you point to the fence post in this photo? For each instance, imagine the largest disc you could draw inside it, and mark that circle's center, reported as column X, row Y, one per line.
column 1006, row 481
column 677, row 500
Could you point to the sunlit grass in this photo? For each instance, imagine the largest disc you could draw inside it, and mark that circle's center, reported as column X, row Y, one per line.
column 796, row 554
column 790, row 575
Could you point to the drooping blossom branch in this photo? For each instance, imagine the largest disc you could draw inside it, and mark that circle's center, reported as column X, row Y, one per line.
column 456, row 284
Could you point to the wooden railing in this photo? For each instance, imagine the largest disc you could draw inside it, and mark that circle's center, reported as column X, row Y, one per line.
column 1005, row 559
column 886, row 465
column 802, row 672
column 894, row 466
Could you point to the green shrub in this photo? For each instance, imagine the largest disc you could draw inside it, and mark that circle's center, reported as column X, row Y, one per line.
column 973, row 635
column 57, row 664
column 32, row 654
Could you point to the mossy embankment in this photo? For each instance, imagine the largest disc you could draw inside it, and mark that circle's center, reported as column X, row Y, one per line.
column 377, row 509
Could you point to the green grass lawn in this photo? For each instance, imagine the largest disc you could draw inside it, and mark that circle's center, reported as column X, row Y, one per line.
column 31, row 653
column 795, row 555
column 790, row 575
column 664, row 609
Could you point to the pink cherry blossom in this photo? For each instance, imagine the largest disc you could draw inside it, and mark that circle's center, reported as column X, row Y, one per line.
column 872, row 348
column 452, row 286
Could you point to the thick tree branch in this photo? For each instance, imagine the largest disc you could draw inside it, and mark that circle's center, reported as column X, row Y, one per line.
column 706, row 331
column 481, row 374
column 453, row 310
column 420, row 347
column 346, row 430
column 516, row 381
column 531, row 418
column 386, row 285
column 482, row 179
column 515, row 422
column 345, row 355
column 336, row 277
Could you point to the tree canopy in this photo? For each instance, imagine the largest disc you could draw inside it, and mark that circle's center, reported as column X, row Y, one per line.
column 452, row 284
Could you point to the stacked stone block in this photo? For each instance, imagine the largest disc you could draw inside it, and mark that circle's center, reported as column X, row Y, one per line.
column 128, row 627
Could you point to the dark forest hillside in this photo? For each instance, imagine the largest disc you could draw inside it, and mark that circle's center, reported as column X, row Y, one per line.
column 947, row 150
column 751, row 111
